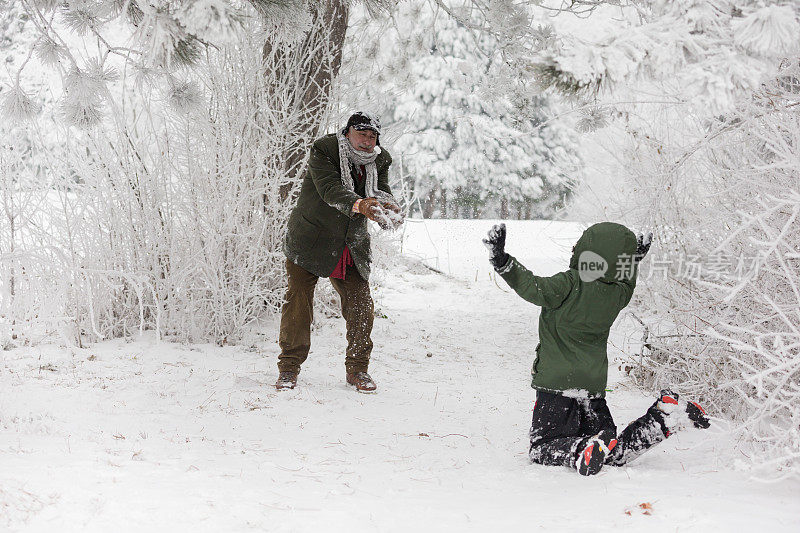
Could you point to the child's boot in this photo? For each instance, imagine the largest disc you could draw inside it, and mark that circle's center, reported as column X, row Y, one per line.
column 697, row 415
column 593, row 453
column 672, row 413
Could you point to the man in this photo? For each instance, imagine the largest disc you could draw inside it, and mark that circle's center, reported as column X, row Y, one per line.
column 346, row 183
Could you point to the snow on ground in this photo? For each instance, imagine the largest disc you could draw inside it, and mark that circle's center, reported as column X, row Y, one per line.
column 148, row 436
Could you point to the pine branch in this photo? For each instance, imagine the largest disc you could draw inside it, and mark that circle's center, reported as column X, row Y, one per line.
column 549, row 75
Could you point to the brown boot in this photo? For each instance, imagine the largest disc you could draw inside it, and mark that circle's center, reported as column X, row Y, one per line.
column 286, row 380
column 361, row 381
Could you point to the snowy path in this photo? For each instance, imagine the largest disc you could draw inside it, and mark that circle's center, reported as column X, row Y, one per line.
column 144, row 436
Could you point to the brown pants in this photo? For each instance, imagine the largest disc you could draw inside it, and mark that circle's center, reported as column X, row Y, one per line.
column 298, row 312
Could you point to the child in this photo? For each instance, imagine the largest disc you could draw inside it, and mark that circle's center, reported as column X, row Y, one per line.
column 572, row 425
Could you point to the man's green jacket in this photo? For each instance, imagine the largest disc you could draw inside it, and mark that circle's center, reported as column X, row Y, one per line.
column 578, row 310
column 322, row 222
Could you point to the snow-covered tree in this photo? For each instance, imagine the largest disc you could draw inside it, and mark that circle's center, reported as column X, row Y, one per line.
column 714, row 50
column 468, row 146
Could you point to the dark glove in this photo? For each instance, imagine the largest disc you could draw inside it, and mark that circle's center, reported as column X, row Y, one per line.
column 642, row 246
column 496, row 243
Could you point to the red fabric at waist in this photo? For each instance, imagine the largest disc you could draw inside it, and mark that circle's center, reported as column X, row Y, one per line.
column 341, row 267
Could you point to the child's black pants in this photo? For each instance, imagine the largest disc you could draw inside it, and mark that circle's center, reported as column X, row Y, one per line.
column 561, row 427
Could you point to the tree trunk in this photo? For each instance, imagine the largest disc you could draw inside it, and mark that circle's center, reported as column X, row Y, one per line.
column 430, row 204
column 299, row 78
column 504, row 208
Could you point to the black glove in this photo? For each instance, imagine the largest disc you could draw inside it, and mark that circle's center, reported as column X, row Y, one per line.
column 642, row 246
column 496, row 243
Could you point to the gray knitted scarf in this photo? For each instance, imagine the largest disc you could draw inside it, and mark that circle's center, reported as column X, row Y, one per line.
column 349, row 156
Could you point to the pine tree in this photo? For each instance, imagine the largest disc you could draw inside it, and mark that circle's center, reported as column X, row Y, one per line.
column 715, row 51
column 469, row 146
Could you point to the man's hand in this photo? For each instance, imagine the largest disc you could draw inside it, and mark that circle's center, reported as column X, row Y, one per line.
column 642, row 246
column 393, row 213
column 368, row 207
column 386, row 213
column 496, row 243
column 391, row 206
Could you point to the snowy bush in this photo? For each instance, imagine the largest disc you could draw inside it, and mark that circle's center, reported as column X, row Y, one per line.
column 723, row 290
column 154, row 196
column 167, row 218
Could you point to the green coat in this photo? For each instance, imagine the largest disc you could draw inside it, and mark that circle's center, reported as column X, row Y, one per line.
column 322, row 222
column 577, row 314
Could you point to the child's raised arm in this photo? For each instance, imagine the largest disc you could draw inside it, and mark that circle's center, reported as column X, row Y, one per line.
column 545, row 292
